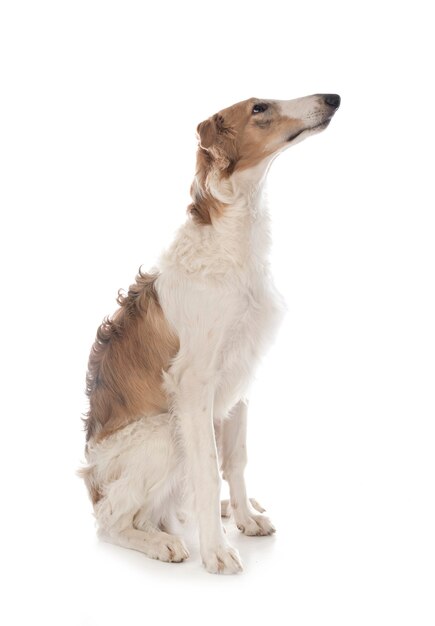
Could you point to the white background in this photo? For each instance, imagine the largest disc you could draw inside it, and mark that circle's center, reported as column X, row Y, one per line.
column 99, row 105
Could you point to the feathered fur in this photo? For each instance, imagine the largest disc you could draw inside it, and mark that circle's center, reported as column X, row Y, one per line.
column 169, row 373
column 130, row 352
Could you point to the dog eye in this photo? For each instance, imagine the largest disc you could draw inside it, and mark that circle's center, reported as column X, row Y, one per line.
column 259, row 108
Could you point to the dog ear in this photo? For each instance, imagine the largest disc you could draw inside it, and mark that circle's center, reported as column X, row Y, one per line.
column 217, row 143
column 208, row 131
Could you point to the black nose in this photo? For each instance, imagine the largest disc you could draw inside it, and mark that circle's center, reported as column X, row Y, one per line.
column 332, row 99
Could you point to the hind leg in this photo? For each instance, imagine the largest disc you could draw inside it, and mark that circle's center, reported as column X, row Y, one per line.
column 140, row 532
column 137, row 471
column 152, row 541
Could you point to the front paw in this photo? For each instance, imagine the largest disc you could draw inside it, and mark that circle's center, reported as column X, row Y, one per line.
column 256, row 526
column 222, row 559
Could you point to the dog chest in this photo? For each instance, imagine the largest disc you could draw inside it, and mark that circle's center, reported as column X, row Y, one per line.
column 223, row 330
column 250, row 328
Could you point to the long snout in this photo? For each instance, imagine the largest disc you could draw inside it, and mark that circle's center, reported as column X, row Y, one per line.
column 312, row 113
column 310, row 106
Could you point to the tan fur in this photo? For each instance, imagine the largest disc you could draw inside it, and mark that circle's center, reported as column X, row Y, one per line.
column 131, row 350
column 147, row 459
column 231, row 140
column 204, row 207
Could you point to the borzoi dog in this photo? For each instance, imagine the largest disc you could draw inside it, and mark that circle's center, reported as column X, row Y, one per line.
column 169, row 372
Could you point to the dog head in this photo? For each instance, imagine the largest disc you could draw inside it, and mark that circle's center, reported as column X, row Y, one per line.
column 252, row 133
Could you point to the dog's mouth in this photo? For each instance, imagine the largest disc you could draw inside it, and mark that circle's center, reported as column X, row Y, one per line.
column 318, row 127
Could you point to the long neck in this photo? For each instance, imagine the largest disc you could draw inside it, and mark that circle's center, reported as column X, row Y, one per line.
column 236, row 240
column 242, row 231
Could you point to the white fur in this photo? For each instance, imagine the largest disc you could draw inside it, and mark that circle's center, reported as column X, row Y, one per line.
column 140, row 474
column 216, row 291
column 218, row 296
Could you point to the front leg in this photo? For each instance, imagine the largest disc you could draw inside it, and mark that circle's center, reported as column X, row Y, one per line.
column 234, row 459
column 193, row 409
